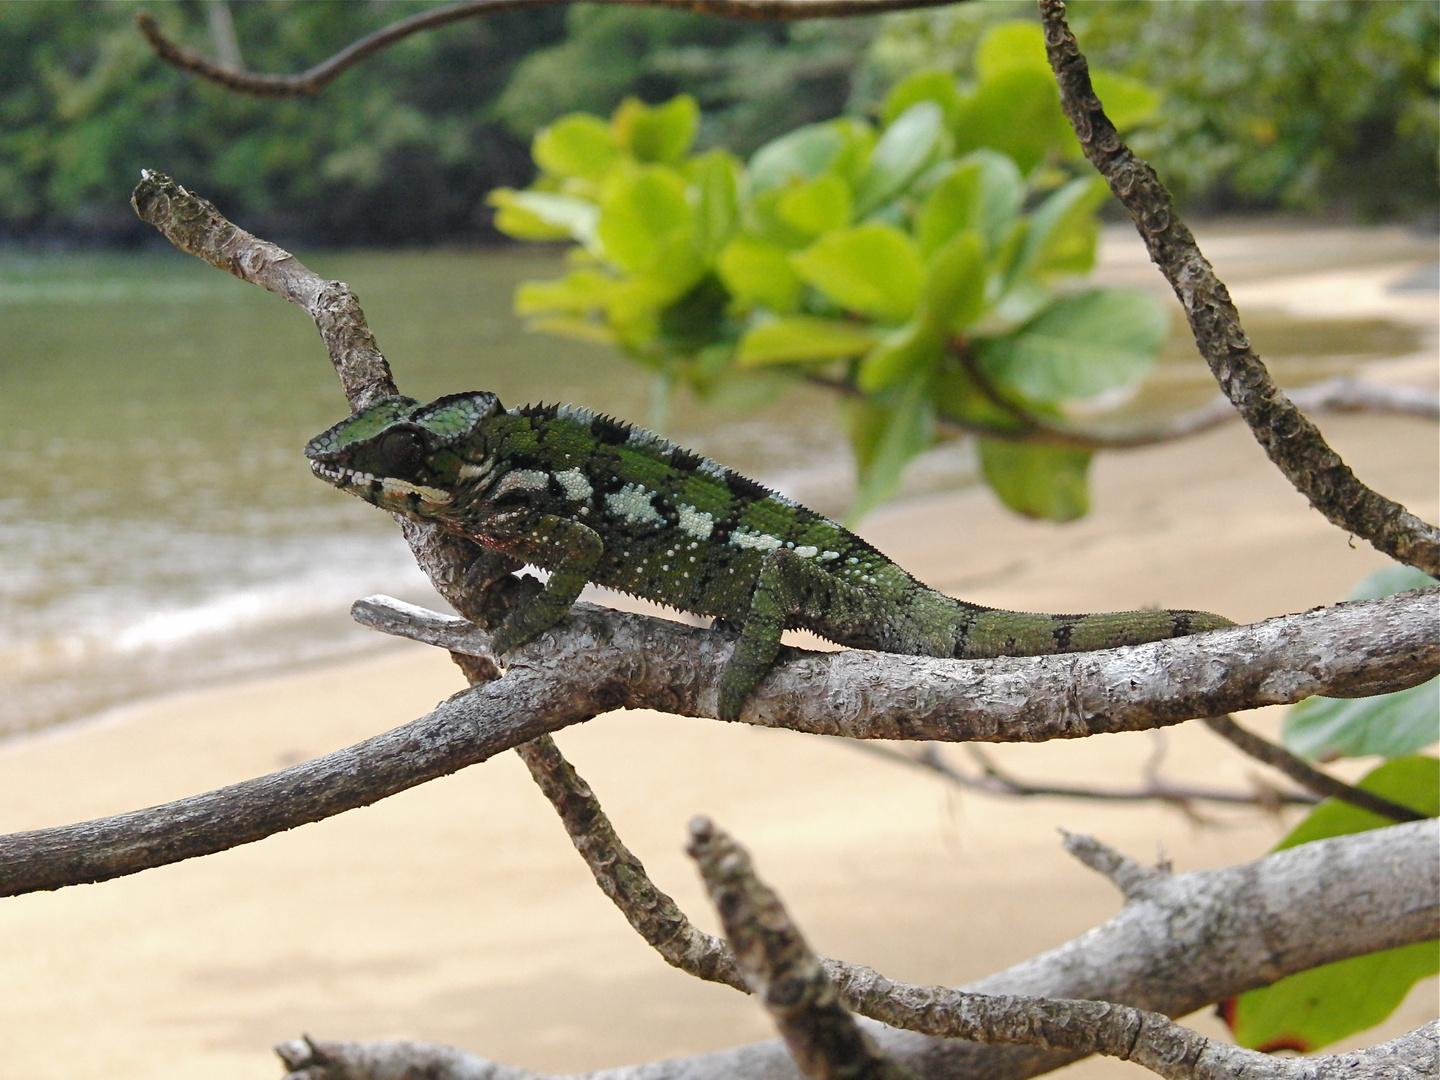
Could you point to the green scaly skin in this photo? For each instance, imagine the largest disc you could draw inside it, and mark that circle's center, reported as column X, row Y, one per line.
column 592, row 499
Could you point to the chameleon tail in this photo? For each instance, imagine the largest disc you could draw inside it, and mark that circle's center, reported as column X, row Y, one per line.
column 988, row 632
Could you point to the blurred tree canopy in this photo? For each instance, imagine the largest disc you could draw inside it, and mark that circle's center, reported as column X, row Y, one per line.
column 1300, row 105
column 1307, row 105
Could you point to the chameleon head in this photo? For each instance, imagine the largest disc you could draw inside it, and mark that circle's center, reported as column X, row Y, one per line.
column 400, row 454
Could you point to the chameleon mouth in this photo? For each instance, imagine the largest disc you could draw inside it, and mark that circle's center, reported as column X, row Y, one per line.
column 342, row 477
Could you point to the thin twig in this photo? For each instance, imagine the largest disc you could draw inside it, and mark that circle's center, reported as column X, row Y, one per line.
column 1305, row 774
column 621, row 876
column 1290, row 440
column 1343, row 393
column 786, row 976
column 325, row 72
column 992, row 780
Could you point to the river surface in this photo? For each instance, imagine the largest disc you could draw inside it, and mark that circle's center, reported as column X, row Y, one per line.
column 159, row 526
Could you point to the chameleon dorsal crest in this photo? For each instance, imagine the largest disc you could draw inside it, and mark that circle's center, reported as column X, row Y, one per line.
column 593, row 499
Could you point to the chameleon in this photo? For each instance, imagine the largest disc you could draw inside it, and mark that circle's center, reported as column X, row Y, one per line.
column 590, row 498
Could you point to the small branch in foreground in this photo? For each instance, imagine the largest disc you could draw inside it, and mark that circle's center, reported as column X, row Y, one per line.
column 827, row 1043
column 1290, row 440
column 325, row 72
column 621, row 876
column 785, row 975
column 1302, row 772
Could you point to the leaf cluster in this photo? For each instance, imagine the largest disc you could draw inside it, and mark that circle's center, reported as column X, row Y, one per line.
column 927, row 263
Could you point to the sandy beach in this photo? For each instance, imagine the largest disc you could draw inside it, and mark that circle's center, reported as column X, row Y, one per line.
column 458, row 912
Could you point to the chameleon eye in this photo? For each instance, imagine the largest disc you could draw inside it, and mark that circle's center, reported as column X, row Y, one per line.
column 401, row 452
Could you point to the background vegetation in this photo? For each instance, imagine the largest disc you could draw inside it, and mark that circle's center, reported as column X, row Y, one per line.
column 1310, row 105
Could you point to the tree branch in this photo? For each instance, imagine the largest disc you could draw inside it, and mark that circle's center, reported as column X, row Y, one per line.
column 325, row 72
column 599, row 660
column 1179, row 943
column 1343, row 393
column 993, row 780
column 1302, row 772
column 1291, row 441
column 785, row 975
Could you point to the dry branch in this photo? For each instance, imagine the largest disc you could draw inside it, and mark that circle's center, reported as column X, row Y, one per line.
column 1302, row 772
column 1291, row 441
column 325, row 72
column 785, row 975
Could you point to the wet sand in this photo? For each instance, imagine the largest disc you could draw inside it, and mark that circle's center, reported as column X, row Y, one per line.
column 458, row 912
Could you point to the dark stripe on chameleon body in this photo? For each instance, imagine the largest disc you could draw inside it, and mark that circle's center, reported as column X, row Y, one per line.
column 745, row 489
column 1180, row 624
column 686, row 461
column 608, row 431
column 1061, row 633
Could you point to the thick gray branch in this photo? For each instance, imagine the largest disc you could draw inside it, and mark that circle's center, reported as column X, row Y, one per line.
column 1349, row 650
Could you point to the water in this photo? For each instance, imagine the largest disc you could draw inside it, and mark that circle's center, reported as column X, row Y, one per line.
column 159, row 526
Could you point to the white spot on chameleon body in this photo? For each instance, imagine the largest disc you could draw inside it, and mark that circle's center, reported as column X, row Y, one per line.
column 695, row 522
column 577, row 488
column 744, row 538
column 633, row 502
column 807, row 552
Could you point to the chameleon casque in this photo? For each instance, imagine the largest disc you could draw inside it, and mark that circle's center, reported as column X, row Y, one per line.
column 592, row 499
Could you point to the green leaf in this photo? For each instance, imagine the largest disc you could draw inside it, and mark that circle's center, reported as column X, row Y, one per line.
column 886, row 432
column 802, row 154
column 759, row 273
column 1080, row 346
column 1390, row 724
column 576, row 293
column 660, row 134
column 872, row 269
column 913, row 349
column 984, row 191
column 1036, row 480
column 802, row 339
column 931, row 84
column 952, row 295
column 543, row 215
column 1313, row 1008
column 1063, row 231
column 901, row 154
column 1128, row 102
column 578, row 145
column 1017, row 112
column 1389, row 580
column 817, row 206
column 1010, row 45
column 714, row 176
column 646, row 221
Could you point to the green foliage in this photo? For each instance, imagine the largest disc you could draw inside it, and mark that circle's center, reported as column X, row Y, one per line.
column 926, row 263
column 398, row 150
column 1314, row 1008
column 1290, row 104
